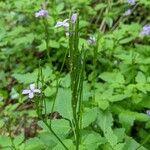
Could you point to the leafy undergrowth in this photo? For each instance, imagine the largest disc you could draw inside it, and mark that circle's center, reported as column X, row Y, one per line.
column 106, row 56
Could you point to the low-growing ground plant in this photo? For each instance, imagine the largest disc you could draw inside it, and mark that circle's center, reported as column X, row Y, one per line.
column 74, row 75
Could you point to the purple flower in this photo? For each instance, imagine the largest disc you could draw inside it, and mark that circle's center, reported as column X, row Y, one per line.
column 131, row 2
column 62, row 24
column 74, row 18
column 92, row 40
column 41, row 13
column 30, row 92
column 128, row 12
column 148, row 112
column 145, row 31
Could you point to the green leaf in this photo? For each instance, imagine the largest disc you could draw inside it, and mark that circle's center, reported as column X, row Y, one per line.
column 68, row 143
column 118, row 97
column 61, row 127
column 5, row 141
column 126, row 120
column 63, row 103
column 131, row 144
column 126, row 40
column 49, row 91
column 140, row 78
column 54, row 44
column 92, row 141
column 89, row 116
column 103, row 104
column 112, row 77
column 18, row 140
column 119, row 146
column 120, row 133
column 34, row 143
column 104, row 120
column 100, row 6
column 111, row 137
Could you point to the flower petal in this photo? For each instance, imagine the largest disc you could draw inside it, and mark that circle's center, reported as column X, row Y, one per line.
column 37, row 91
column 32, row 87
column 31, row 95
column 25, row 91
column 74, row 18
column 66, row 24
column 59, row 24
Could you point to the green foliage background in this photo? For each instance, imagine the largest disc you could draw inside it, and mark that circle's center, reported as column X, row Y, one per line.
column 115, row 119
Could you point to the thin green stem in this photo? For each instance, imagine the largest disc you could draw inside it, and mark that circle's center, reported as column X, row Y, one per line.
column 51, row 130
column 46, row 37
column 76, row 72
column 145, row 141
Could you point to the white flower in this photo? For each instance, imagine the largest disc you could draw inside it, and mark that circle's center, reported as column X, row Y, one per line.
column 67, row 34
column 30, row 92
column 92, row 40
column 62, row 24
column 74, row 18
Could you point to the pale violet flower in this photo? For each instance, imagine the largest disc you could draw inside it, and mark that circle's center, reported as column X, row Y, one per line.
column 148, row 112
column 74, row 18
column 131, row 2
column 31, row 91
column 92, row 40
column 41, row 13
column 128, row 12
column 145, row 31
column 64, row 24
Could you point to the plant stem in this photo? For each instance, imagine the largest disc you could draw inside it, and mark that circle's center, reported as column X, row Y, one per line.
column 46, row 37
column 49, row 127
column 145, row 141
column 76, row 73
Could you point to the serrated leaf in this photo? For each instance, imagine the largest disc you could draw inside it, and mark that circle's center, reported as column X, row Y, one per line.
column 140, row 78
column 112, row 77
column 111, row 137
column 104, row 120
column 63, row 103
column 89, row 116
column 92, row 141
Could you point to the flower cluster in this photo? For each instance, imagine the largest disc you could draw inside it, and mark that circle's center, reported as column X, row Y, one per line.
column 131, row 2
column 145, row 31
column 92, row 40
column 65, row 23
column 31, row 91
column 41, row 13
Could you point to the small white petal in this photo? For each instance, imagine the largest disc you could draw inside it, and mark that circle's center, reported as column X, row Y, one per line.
column 62, row 23
column 59, row 24
column 66, row 24
column 25, row 91
column 31, row 95
column 67, row 33
column 32, row 87
column 37, row 91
